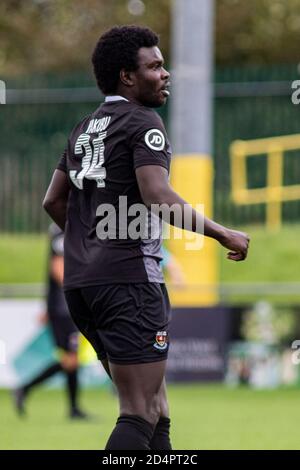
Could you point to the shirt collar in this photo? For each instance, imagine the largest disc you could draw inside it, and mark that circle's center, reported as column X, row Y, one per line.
column 111, row 98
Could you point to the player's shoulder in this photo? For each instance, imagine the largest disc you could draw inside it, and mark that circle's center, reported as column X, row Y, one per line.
column 144, row 112
column 145, row 118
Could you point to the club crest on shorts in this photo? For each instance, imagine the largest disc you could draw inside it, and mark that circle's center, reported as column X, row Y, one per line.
column 161, row 340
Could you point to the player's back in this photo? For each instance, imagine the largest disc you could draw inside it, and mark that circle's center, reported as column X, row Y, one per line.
column 103, row 151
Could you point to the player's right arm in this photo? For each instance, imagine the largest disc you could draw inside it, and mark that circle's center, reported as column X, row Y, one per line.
column 156, row 190
column 151, row 155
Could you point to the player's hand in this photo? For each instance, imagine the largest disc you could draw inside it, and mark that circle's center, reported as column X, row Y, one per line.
column 237, row 242
column 43, row 318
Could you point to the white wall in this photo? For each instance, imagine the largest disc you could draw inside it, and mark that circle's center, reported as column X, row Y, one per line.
column 18, row 323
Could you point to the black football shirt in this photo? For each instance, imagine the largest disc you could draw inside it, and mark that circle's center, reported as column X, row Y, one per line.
column 103, row 151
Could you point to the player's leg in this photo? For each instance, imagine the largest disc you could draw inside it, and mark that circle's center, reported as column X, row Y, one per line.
column 66, row 338
column 70, row 364
column 21, row 394
column 132, row 322
column 84, row 321
column 160, row 439
column 83, row 318
column 161, row 436
column 139, row 387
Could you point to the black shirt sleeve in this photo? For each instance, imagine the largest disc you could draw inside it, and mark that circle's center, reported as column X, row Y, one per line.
column 148, row 139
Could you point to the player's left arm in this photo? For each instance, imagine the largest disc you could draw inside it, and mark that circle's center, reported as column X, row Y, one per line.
column 56, row 198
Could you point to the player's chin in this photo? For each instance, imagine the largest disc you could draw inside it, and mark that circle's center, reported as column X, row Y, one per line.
column 160, row 101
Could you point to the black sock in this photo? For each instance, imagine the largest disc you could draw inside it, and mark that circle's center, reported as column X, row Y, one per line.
column 53, row 369
column 131, row 432
column 161, row 436
column 72, row 388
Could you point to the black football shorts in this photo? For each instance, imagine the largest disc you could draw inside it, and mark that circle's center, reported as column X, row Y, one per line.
column 125, row 323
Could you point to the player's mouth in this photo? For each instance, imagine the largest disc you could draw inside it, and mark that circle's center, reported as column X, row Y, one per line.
column 165, row 90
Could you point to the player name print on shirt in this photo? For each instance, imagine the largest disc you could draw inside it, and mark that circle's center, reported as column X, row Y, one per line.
column 93, row 149
column 98, row 125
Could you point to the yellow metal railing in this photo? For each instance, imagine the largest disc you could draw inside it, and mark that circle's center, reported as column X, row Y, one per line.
column 274, row 194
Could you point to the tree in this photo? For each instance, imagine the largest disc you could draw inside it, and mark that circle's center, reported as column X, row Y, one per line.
column 59, row 35
column 51, row 35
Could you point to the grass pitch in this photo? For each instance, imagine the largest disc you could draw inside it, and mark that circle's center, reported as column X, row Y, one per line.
column 272, row 257
column 203, row 417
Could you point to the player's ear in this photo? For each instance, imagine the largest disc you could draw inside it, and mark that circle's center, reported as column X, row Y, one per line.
column 126, row 77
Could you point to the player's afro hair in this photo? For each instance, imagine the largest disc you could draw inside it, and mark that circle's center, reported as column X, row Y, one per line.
column 117, row 49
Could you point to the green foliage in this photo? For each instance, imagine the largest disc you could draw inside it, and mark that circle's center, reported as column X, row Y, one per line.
column 268, row 325
column 260, row 31
column 60, row 34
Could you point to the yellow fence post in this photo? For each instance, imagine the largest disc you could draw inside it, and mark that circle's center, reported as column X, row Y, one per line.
column 274, row 186
column 275, row 193
column 192, row 178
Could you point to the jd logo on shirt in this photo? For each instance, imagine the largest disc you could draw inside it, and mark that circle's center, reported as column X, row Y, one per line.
column 155, row 139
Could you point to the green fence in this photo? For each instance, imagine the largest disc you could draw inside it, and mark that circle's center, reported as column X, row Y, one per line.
column 41, row 111
column 252, row 103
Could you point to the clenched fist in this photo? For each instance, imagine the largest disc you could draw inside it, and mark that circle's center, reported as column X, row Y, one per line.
column 237, row 242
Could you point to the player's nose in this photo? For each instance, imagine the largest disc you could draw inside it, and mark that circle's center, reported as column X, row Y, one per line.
column 165, row 74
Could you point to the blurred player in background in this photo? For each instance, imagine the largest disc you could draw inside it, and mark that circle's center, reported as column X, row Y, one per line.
column 114, row 284
column 64, row 332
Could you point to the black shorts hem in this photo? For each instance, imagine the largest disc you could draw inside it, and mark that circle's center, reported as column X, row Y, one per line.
column 138, row 360
column 101, row 356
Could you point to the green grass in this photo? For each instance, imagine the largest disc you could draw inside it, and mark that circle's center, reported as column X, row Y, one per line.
column 203, row 417
column 23, row 258
column 273, row 257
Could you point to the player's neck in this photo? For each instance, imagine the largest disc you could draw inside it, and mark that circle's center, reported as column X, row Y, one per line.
column 126, row 93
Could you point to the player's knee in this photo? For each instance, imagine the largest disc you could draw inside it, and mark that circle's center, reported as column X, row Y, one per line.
column 151, row 409
column 164, row 407
column 146, row 407
column 155, row 409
